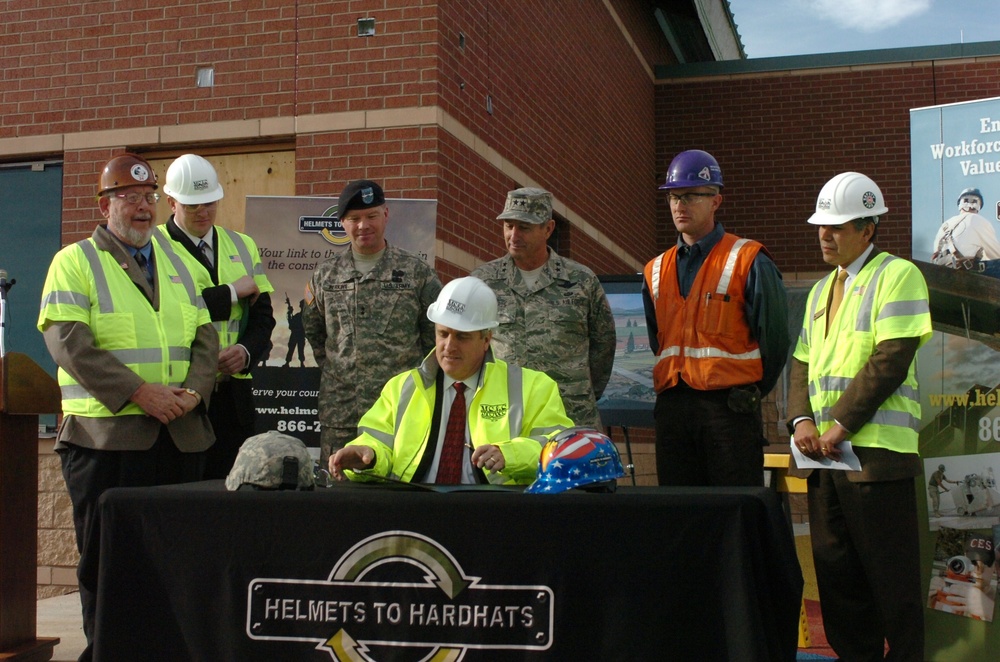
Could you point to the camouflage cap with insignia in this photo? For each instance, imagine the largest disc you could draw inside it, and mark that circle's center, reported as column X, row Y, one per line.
column 272, row 461
column 531, row 205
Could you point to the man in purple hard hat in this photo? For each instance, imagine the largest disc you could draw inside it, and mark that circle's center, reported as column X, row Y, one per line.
column 717, row 318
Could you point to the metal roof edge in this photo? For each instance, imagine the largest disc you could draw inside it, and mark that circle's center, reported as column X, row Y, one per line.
column 828, row 60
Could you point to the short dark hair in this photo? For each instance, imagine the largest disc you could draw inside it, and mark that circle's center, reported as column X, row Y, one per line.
column 860, row 223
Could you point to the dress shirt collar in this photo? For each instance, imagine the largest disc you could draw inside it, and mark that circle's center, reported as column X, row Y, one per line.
column 854, row 268
column 209, row 237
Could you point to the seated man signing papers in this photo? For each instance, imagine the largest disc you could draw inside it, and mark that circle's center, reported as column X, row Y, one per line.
column 462, row 416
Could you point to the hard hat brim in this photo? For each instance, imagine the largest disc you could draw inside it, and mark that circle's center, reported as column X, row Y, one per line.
column 826, row 218
column 200, row 199
column 453, row 321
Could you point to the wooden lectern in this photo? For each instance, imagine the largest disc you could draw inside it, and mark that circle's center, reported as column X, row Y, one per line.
column 25, row 392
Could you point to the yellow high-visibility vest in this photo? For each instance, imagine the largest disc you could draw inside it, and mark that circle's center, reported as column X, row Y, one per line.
column 887, row 300
column 86, row 284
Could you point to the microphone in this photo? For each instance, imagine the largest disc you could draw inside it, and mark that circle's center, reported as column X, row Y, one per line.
column 4, row 285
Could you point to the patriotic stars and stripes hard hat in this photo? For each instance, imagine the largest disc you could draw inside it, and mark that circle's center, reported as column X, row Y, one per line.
column 577, row 458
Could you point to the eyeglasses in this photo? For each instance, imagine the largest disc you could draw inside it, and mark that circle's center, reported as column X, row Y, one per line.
column 688, row 198
column 134, row 198
column 193, row 208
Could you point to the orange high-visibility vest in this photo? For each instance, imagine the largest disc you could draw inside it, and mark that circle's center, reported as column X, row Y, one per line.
column 705, row 339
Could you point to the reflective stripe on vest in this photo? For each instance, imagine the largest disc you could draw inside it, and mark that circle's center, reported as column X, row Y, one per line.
column 894, row 425
column 229, row 330
column 515, row 408
column 147, row 362
column 689, row 344
column 724, row 279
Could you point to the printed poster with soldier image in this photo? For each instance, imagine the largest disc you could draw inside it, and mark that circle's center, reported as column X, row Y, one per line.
column 955, row 167
column 294, row 235
column 955, row 163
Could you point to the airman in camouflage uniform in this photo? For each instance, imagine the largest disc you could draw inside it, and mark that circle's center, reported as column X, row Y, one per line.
column 365, row 315
column 554, row 316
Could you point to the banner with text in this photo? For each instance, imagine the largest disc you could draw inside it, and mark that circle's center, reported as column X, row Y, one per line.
column 294, row 235
column 955, row 161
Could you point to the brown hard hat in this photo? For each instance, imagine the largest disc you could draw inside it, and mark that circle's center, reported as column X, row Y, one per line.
column 126, row 170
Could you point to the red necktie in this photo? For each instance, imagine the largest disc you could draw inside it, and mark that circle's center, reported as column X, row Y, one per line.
column 450, row 463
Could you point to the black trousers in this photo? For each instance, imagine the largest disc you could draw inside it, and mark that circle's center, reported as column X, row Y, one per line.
column 88, row 473
column 866, row 547
column 701, row 441
column 232, row 416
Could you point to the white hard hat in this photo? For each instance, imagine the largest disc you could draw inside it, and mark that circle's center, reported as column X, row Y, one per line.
column 848, row 196
column 191, row 180
column 465, row 304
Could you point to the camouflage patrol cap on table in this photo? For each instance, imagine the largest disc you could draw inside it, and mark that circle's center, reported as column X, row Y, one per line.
column 272, row 461
column 531, row 205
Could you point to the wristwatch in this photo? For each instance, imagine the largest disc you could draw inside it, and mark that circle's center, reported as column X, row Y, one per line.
column 195, row 393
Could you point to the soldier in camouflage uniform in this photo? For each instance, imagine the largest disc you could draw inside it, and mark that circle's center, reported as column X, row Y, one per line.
column 365, row 315
column 554, row 316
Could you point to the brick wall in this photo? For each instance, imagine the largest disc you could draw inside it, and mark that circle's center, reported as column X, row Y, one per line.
column 571, row 104
column 75, row 67
column 780, row 137
column 57, row 554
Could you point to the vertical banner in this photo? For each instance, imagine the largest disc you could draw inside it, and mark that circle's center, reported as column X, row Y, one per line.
column 955, row 162
column 294, row 235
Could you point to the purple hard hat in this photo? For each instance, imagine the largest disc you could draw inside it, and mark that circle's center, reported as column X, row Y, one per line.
column 693, row 168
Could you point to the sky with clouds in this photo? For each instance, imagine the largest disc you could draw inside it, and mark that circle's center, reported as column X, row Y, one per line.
column 770, row 28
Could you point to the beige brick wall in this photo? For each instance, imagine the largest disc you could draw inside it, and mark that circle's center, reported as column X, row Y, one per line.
column 57, row 555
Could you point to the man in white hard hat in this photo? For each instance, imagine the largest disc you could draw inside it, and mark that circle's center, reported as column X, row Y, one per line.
column 239, row 299
column 463, row 416
column 853, row 378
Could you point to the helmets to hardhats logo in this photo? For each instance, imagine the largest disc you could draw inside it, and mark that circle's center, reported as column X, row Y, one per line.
column 705, row 173
column 868, row 199
column 456, row 307
column 823, row 204
column 200, row 184
column 139, row 172
column 370, row 607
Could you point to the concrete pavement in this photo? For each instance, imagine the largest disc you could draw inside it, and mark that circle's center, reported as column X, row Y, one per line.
column 61, row 617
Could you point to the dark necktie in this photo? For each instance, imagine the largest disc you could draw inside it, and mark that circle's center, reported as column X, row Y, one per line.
column 144, row 265
column 837, row 298
column 207, row 252
column 450, row 464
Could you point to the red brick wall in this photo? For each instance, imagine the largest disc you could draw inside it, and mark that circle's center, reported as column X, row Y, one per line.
column 637, row 17
column 779, row 138
column 85, row 66
column 572, row 104
column 81, row 173
column 339, row 71
column 571, row 107
column 403, row 160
